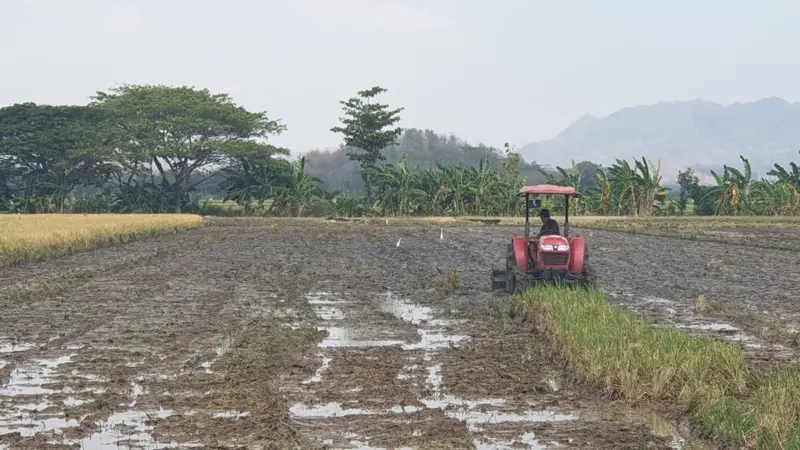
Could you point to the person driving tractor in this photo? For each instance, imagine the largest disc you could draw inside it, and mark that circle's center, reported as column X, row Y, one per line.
column 549, row 226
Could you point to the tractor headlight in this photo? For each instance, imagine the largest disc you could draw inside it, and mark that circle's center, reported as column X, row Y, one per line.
column 551, row 247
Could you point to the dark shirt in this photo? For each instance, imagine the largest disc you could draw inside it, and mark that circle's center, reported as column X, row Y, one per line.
column 549, row 226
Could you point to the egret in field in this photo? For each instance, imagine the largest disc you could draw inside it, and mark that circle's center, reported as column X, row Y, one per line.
column 398, row 242
column 441, row 234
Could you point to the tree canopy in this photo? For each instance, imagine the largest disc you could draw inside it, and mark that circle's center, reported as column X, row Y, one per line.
column 368, row 127
column 178, row 130
column 46, row 151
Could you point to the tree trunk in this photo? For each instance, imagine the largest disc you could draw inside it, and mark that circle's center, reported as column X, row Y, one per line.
column 176, row 199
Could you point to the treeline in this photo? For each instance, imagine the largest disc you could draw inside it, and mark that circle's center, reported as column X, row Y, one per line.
column 143, row 148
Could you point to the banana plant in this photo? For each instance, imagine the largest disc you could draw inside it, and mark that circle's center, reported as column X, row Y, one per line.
column 789, row 177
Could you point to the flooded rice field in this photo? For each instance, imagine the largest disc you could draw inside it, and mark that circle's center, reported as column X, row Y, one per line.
column 331, row 335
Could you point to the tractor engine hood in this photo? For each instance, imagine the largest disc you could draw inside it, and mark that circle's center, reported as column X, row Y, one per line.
column 553, row 243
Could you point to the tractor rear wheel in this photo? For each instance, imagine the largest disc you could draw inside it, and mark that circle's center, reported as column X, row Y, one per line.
column 506, row 279
column 511, row 273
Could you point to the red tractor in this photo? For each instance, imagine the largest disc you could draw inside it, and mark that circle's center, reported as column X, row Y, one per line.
column 551, row 258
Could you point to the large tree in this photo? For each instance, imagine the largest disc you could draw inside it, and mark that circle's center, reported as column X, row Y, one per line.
column 179, row 130
column 368, row 128
column 46, row 151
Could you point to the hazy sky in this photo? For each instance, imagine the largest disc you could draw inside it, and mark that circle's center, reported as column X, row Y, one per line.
column 488, row 71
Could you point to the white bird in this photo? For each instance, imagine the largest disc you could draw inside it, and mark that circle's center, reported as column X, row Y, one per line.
column 387, row 221
column 398, row 242
column 441, row 233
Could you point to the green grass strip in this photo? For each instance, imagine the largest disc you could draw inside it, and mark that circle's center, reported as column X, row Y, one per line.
column 632, row 360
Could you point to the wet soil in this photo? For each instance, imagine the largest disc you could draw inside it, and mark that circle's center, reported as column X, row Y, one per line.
column 283, row 334
column 763, row 234
column 749, row 295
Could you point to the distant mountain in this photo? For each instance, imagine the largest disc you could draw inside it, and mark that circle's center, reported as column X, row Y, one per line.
column 700, row 134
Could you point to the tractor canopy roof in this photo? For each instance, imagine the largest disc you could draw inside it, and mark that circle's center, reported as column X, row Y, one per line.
column 548, row 189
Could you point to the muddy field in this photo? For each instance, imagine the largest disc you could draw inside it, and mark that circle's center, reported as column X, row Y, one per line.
column 337, row 335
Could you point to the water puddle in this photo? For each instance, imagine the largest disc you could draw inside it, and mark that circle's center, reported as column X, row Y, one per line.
column 356, row 443
column 89, row 377
column 328, row 309
column 729, row 332
column 71, row 402
column 476, row 413
column 28, row 426
column 475, row 418
column 14, row 347
column 326, row 411
column 221, row 350
column 317, row 377
column 231, row 415
column 430, row 340
column 683, row 317
column 408, row 312
column 136, row 391
column 127, row 429
column 323, row 298
column 526, row 440
column 26, row 418
column 433, row 333
column 334, row 409
column 345, row 337
column 325, row 312
column 29, row 379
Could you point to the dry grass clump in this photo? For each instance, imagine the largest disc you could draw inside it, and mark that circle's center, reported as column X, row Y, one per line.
column 449, row 283
column 702, row 306
column 633, row 360
column 43, row 236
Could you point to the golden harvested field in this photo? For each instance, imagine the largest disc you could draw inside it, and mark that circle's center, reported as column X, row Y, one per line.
column 41, row 236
